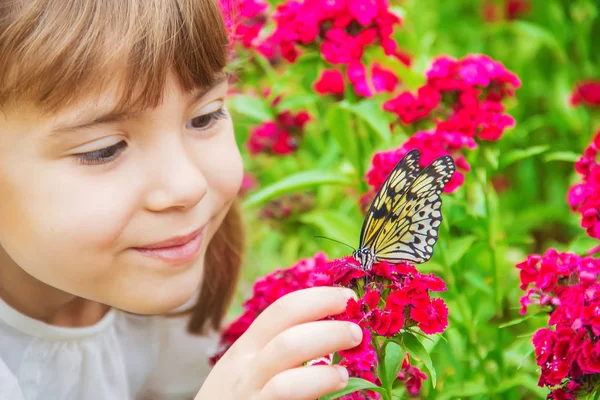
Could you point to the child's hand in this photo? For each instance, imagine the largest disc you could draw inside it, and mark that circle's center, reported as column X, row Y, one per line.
column 265, row 363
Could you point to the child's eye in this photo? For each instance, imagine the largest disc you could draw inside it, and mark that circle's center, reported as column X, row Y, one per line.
column 101, row 156
column 206, row 121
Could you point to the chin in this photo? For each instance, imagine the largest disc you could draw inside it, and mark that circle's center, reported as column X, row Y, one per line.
column 164, row 297
column 163, row 305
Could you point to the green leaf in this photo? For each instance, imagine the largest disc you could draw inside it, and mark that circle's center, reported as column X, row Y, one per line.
column 476, row 280
column 251, row 107
column 333, row 225
column 520, row 381
column 465, row 390
column 296, row 102
column 338, row 124
column 394, row 355
column 354, row 385
column 520, row 154
column 568, row 156
column 491, row 154
column 372, row 113
column 457, row 248
column 295, row 183
column 417, row 351
column 516, row 321
column 538, row 34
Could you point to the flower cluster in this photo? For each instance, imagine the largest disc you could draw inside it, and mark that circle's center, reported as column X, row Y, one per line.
column 462, row 99
column 568, row 351
column 396, row 300
column 244, row 20
column 342, row 30
column 585, row 196
column 586, row 93
column 431, row 145
column 280, row 136
column 461, row 96
column 332, row 82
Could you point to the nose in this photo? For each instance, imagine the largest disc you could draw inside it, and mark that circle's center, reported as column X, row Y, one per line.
column 175, row 178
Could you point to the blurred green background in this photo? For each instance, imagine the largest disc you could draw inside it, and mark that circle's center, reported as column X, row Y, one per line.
column 513, row 202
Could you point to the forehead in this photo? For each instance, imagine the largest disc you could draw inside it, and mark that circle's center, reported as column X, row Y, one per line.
column 109, row 101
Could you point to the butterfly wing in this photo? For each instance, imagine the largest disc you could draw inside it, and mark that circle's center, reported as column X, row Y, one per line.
column 390, row 192
column 411, row 230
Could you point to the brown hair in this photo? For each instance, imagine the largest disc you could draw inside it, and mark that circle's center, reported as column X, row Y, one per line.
column 54, row 53
column 222, row 265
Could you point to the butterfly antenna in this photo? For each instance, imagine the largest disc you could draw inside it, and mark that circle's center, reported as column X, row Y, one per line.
column 337, row 241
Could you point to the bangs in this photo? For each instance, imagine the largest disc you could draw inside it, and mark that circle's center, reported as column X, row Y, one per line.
column 55, row 53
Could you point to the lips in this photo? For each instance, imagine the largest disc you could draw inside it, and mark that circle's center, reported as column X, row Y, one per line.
column 173, row 242
column 175, row 251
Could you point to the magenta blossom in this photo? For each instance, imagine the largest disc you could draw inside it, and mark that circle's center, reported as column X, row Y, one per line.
column 397, row 300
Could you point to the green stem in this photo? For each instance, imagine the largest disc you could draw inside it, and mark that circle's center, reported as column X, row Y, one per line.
column 491, row 220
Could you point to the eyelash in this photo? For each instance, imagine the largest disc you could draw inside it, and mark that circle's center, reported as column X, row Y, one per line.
column 108, row 154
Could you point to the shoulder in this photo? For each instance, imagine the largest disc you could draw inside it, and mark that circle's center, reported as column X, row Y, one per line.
column 9, row 386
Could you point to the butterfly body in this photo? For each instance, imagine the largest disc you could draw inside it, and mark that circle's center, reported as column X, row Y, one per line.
column 402, row 223
column 365, row 258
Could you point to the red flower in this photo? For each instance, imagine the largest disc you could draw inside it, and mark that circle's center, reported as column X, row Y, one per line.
column 341, row 29
column 400, row 287
column 387, row 323
column 244, row 20
column 585, row 197
column 433, row 318
column 412, row 376
column 586, row 93
column 279, row 136
column 331, row 81
column 589, row 359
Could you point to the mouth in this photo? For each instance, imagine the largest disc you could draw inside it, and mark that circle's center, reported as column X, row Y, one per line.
column 177, row 250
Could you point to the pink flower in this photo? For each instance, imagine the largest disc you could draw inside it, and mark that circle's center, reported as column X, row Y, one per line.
column 364, row 11
column 395, row 292
column 433, row 318
column 586, row 93
column 589, row 359
column 244, row 19
column 280, row 136
column 331, row 81
column 410, row 108
column 431, row 145
column 566, row 286
column 412, row 376
column 461, row 96
column 585, row 196
column 341, row 29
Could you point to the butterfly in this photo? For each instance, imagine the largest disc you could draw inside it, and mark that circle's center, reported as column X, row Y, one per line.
column 403, row 219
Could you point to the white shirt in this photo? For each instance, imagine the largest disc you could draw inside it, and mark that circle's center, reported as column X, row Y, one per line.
column 122, row 357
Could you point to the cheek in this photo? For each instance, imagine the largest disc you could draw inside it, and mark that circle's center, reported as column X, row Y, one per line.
column 222, row 164
column 60, row 213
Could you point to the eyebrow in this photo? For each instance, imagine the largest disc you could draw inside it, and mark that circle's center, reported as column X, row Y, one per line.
column 120, row 116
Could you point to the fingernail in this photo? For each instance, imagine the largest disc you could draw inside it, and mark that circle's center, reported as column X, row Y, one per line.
column 356, row 332
column 343, row 373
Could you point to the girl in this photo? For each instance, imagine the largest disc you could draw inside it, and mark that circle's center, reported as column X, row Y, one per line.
column 119, row 240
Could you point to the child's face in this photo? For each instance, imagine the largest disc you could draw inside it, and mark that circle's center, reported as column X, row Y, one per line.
column 77, row 203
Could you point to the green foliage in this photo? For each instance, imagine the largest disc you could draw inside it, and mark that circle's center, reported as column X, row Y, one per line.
column 486, row 352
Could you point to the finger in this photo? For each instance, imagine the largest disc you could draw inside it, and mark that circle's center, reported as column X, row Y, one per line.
column 293, row 309
column 302, row 343
column 305, row 383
